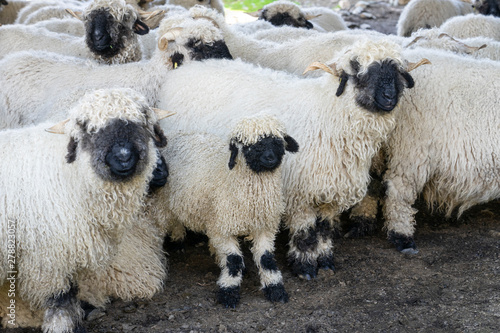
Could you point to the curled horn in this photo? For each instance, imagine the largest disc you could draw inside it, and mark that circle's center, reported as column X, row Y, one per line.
column 214, row 22
column 58, row 128
column 162, row 114
column 310, row 16
column 331, row 68
column 149, row 15
column 78, row 15
column 169, row 36
column 415, row 40
column 413, row 65
column 470, row 48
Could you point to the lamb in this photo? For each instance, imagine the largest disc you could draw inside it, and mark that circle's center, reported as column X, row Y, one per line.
column 472, row 25
column 446, row 144
column 180, row 43
column 340, row 129
column 428, row 14
column 225, row 200
column 75, row 197
column 283, row 12
column 111, row 35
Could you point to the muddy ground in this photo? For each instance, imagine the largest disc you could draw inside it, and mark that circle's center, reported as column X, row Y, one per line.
column 451, row 285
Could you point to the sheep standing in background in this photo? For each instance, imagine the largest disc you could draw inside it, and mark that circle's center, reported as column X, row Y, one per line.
column 427, row 14
column 230, row 188
column 487, row 7
column 472, row 25
column 340, row 128
column 70, row 199
column 283, row 12
column 69, row 26
column 446, row 145
column 56, row 81
column 218, row 5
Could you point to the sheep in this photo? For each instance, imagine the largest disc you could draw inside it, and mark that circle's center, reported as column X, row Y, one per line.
column 75, row 197
column 9, row 10
column 428, row 14
column 69, row 26
column 472, row 25
column 217, row 5
column 283, row 12
column 446, row 145
column 34, row 6
column 227, row 188
column 340, row 130
column 110, row 38
column 487, row 7
column 283, row 34
column 21, row 104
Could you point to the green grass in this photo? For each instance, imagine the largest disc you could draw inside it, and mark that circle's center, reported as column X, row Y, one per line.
column 246, row 5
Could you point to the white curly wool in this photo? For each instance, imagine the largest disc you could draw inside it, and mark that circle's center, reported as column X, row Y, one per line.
column 473, row 25
column 446, row 143
column 428, row 14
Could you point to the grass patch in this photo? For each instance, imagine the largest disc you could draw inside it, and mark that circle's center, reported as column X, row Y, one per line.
column 246, row 5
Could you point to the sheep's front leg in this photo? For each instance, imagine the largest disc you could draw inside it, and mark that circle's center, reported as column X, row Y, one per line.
column 399, row 213
column 230, row 260
column 63, row 313
column 270, row 276
column 364, row 214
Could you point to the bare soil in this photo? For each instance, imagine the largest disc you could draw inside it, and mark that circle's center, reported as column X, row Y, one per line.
column 451, row 285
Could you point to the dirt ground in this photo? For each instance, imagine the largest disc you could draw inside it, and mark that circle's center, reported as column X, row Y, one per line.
column 451, row 285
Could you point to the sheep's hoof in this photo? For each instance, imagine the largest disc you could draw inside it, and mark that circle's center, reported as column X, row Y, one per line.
column 326, row 262
column 229, row 297
column 361, row 227
column 276, row 293
column 404, row 244
column 303, row 270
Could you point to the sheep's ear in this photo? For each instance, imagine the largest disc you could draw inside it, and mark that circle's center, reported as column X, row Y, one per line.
column 291, row 145
column 71, row 155
column 58, row 128
column 413, row 65
column 410, row 83
column 262, row 14
column 234, row 152
column 78, row 15
column 343, row 81
column 159, row 137
column 140, row 27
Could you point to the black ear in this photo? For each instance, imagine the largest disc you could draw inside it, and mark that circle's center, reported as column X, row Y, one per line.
column 263, row 15
column 140, row 27
column 234, row 153
column 291, row 145
column 71, row 155
column 159, row 138
column 343, row 80
column 409, row 80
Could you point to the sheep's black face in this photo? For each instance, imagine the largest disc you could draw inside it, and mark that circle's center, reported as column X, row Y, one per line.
column 380, row 87
column 118, row 151
column 201, row 51
column 160, row 173
column 265, row 155
column 104, row 35
column 280, row 19
column 487, row 7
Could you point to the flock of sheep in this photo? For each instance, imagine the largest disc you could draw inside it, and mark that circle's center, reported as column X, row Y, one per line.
column 288, row 120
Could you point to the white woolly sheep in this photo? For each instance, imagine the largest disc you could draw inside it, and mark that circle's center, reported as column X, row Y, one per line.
column 218, row 5
column 428, row 14
column 27, row 97
column 339, row 131
column 69, row 26
column 283, row 12
column 75, row 196
column 33, row 6
column 446, row 145
column 111, row 35
column 473, row 26
column 228, row 188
